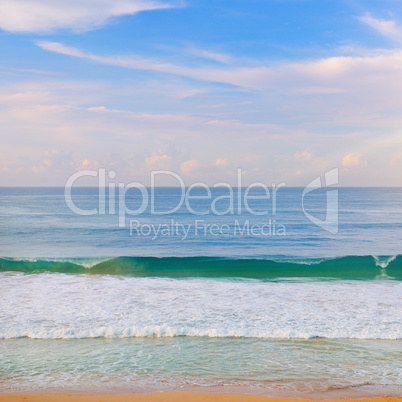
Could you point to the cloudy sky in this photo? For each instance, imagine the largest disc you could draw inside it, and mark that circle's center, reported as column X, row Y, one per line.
column 284, row 89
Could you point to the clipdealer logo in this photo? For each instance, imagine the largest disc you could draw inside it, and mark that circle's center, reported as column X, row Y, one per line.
column 237, row 200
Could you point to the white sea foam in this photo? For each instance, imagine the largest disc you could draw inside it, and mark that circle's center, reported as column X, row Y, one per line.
column 383, row 262
column 57, row 306
column 84, row 262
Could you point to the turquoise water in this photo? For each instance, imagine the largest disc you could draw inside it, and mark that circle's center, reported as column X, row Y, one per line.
column 351, row 267
column 86, row 306
column 36, row 223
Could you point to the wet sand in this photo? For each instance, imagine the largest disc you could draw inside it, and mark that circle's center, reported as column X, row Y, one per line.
column 165, row 397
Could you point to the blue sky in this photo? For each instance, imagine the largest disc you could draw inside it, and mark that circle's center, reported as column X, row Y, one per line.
column 286, row 90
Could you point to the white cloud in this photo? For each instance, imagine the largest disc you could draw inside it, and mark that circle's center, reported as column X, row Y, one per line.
column 28, row 70
column 387, row 28
column 53, row 160
column 21, row 98
column 88, row 164
column 85, row 120
column 207, row 54
column 189, row 166
column 306, row 155
column 57, row 47
column 221, row 162
column 353, row 160
column 330, row 76
column 159, row 161
column 79, row 15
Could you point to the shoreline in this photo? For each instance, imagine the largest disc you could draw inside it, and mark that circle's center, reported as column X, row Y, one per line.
column 362, row 392
column 170, row 397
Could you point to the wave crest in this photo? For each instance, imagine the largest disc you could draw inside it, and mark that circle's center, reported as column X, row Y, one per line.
column 349, row 267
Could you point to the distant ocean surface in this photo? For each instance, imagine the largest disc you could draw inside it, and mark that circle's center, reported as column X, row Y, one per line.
column 169, row 302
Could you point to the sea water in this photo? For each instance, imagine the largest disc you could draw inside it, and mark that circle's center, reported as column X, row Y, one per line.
column 89, row 306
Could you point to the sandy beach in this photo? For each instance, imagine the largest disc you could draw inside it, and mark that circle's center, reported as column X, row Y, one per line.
column 166, row 397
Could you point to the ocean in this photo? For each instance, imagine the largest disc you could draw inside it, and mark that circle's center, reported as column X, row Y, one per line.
column 252, row 296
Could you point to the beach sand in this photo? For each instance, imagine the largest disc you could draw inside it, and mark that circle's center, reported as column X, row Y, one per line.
column 166, row 397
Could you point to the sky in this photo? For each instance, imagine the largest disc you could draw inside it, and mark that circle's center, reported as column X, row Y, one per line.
column 286, row 90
